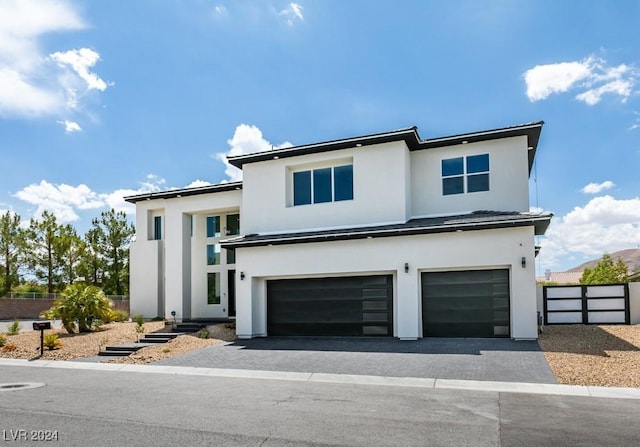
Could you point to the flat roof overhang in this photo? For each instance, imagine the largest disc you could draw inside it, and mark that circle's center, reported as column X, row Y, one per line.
column 184, row 192
column 469, row 222
column 409, row 135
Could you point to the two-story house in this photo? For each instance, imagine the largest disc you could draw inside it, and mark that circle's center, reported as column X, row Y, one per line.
column 377, row 235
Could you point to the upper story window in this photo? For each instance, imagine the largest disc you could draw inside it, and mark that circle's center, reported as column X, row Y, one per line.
column 322, row 185
column 233, row 224
column 465, row 174
column 213, row 226
column 157, row 227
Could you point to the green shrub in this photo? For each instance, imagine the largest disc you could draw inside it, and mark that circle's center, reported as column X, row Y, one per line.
column 139, row 319
column 120, row 315
column 29, row 287
column 202, row 333
column 14, row 328
column 51, row 342
column 80, row 304
column 3, row 339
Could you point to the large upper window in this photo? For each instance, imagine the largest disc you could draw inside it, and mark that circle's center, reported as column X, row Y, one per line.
column 465, row 174
column 322, row 185
column 213, row 226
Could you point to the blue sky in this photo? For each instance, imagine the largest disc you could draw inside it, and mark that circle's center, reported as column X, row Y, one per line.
column 104, row 99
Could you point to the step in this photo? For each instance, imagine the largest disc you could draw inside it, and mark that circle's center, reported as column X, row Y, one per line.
column 162, row 334
column 130, row 348
column 114, row 353
column 155, row 340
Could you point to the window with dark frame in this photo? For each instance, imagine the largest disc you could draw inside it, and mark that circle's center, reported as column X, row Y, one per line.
column 332, row 184
column 465, row 174
column 157, row 228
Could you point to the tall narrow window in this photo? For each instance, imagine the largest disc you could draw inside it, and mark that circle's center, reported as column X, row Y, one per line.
column 213, row 288
column 231, row 256
column 233, row 224
column 157, row 227
column 213, row 226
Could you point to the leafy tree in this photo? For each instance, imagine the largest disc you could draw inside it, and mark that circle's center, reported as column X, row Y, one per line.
column 91, row 266
column 70, row 254
column 82, row 304
column 12, row 246
column 605, row 272
column 114, row 234
column 45, row 250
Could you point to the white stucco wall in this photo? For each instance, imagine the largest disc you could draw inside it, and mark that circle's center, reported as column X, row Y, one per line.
column 379, row 191
column 508, row 179
column 146, row 278
column 177, row 271
column 486, row 249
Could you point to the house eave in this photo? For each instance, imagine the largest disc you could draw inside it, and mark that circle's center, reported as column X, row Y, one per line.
column 185, row 192
column 540, row 223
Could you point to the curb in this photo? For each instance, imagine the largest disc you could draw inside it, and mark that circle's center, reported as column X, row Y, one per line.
column 442, row 384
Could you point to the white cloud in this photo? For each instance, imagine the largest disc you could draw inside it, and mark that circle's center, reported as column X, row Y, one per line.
column 292, row 12
column 64, row 200
column 80, row 62
column 591, row 75
column 603, row 225
column 33, row 84
column 197, row 183
column 595, row 188
column 246, row 140
column 70, row 126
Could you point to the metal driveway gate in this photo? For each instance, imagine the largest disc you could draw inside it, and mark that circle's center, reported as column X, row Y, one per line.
column 586, row 304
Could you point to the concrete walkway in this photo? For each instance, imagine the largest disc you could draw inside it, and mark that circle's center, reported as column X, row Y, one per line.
column 423, row 383
column 478, row 359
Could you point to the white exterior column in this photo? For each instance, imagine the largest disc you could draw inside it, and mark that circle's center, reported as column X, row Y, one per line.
column 407, row 306
column 178, row 264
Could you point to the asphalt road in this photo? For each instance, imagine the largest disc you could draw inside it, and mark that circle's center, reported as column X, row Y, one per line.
column 105, row 408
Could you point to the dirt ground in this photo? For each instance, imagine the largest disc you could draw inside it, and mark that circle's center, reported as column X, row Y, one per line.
column 578, row 355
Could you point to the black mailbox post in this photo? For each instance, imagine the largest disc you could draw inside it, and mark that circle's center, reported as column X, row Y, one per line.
column 41, row 326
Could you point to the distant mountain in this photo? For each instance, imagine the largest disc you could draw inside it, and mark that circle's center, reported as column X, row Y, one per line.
column 631, row 257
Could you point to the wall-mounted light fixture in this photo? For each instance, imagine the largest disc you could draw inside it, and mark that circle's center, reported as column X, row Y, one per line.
column 241, row 276
column 524, row 262
column 406, row 267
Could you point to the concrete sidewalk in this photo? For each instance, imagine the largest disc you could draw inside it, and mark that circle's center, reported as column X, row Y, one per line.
column 423, row 383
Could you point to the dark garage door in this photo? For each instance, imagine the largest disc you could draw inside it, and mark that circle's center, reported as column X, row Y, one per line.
column 471, row 303
column 342, row 306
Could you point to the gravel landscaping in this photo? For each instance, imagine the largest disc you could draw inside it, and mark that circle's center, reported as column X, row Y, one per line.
column 578, row 355
column 593, row 355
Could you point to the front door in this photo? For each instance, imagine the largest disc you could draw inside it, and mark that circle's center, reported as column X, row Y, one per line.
column 231, row 288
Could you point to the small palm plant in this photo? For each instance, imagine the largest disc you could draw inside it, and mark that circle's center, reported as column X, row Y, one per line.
column 81, row 304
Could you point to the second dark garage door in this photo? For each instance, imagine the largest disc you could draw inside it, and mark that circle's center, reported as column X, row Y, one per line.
column 337, row 306
column 471, row 303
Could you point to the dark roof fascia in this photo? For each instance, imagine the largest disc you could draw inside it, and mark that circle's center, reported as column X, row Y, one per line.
column 530, row 130
column 540, row 223
column 175, row 193
column 409, row 135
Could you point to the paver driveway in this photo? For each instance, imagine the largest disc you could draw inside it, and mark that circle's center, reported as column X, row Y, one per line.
column 440, row 358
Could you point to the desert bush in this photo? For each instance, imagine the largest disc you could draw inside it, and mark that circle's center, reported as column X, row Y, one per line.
column 81, row 304
column 202, row 333
column 14, row 328
column 51, row 342
column 9, row 347
column 120, row 315
column 3, row 339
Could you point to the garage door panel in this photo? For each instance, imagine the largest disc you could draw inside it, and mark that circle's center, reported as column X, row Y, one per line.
column 342, row 306
column 466, row 303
